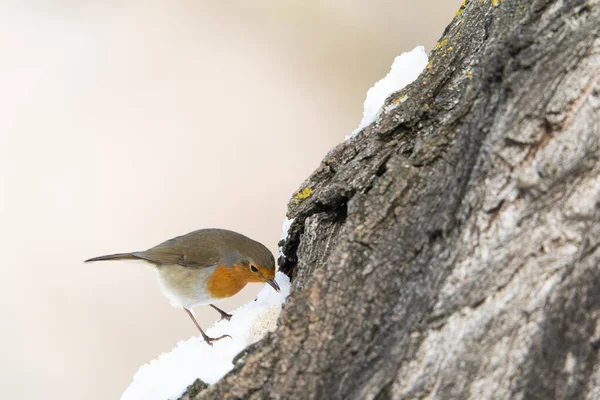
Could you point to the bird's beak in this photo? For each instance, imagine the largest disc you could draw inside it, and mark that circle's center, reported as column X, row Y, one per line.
column 273, row 284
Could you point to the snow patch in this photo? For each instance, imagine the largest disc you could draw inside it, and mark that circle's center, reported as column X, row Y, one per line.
column 405, row 69
column 285, row 230
column 168, row 376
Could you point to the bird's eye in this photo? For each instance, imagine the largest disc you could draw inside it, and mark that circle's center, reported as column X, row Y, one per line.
column 253, row 268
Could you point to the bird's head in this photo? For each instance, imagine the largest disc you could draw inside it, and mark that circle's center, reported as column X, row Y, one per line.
column 254, row 272
column 258, row 265
column 244, row 261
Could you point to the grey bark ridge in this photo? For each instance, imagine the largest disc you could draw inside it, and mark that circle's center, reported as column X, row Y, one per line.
column 450, row 250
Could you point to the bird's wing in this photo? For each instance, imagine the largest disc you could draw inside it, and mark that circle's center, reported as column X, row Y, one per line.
column 191, row 250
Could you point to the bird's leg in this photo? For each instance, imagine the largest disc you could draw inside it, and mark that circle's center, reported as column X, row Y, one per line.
column 224, row 315
column 207, row 339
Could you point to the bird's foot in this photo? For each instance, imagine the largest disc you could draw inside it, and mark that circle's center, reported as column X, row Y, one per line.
column 225, row 316
column 209, row 340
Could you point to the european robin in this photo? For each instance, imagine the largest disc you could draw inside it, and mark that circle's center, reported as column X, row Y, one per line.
column 205, row 267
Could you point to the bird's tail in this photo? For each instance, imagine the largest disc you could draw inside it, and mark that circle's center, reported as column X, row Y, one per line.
column 118, row 256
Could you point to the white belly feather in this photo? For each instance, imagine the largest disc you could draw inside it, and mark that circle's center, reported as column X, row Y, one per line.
column 185, row 287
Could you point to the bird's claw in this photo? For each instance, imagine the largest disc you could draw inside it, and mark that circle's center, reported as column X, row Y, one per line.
column 225, row 316
column 209, row 340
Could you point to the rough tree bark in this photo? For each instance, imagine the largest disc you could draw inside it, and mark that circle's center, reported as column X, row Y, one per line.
column 450, row 250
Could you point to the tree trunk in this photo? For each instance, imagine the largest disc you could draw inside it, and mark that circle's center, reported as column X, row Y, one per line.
column 450, row 250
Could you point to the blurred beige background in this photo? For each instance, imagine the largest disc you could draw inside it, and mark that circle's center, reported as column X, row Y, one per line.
column 125, row 123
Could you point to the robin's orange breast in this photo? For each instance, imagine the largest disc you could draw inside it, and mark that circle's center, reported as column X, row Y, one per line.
column 227, row 281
